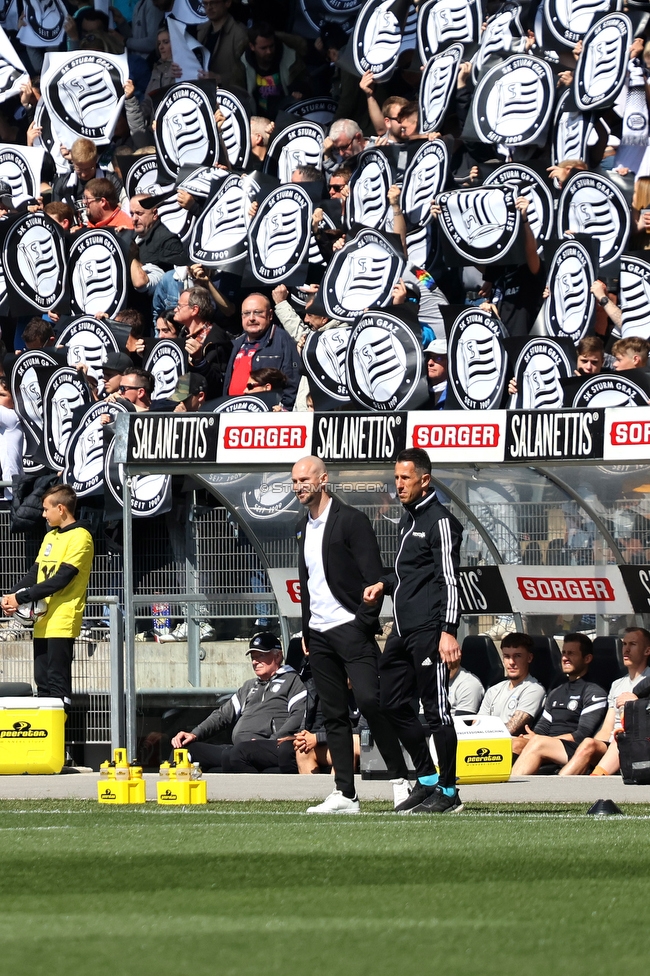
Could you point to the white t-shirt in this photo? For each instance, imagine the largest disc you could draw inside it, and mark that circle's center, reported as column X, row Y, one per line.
column 503, row 700
column 619, row 687
column 11, row 446
column 465, row 693
column 326, row 611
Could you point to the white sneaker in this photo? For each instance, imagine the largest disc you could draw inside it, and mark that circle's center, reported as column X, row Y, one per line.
column 207, row 632
column 401, row 791
column 336, row 803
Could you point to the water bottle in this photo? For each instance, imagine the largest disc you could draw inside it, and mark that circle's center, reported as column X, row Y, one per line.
column 197, row 772
column 162, row 620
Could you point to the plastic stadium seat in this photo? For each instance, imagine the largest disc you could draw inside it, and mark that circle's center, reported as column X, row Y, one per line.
column 294, row 654
column 547, row 661
column 480, row 656
column 606, row 666
column 15, row 689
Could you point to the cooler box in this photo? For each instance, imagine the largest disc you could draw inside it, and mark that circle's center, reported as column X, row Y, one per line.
column 484, row 753
column 32, row 735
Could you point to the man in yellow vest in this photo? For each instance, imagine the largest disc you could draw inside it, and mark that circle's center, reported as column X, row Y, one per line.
column 60, row 577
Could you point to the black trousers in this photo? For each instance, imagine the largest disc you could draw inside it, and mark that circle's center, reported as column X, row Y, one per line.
column 53, row 668
column 334, row 655
column 410, row 668
column 263, row 756
column 212, row 758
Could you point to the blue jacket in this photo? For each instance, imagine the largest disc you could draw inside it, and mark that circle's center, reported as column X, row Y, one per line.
column 277, row 350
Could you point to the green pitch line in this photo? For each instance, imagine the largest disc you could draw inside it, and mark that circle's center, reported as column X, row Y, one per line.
column 261, row 889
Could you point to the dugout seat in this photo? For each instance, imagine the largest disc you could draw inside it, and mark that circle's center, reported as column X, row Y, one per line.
column 547, row 662
column 606, row 666
column 480, row 656
column 16, row 689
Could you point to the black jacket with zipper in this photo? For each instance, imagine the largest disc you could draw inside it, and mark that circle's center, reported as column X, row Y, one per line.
column 424, row 582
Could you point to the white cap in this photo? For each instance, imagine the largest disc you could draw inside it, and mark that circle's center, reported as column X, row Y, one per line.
column 438, row 347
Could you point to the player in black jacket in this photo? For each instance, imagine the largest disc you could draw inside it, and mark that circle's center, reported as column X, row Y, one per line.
column 572, row 712
column 423, row 645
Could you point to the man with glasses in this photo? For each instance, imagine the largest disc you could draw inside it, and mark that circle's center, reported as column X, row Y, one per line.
column 101, row 202
column 70, row 187
column 262, row 344
column 344, row 141
column 136, row 387
column 225, row 39
column 207, row 345
column 384, row 119
column 116, row 365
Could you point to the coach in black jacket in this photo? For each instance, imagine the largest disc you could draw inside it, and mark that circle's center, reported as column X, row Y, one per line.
column 338, row 556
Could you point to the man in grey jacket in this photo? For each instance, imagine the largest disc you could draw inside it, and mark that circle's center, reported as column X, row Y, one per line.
column 269, row 706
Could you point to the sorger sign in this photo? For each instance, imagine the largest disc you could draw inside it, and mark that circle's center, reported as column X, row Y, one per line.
column 538, row 589
column 458, row 435
column 627, row 434
column 264, row 438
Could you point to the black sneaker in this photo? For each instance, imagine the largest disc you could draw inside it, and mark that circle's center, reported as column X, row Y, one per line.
column 439, row 802
column 417, row 796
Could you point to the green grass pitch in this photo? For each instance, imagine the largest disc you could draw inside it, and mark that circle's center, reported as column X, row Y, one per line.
column 261, row 889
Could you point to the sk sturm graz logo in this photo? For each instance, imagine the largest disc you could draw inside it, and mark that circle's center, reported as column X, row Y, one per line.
column 321, row 110
column 167, row 363
column 600, row 72
column 45, row 17
column 368, row 201
column 498, row 35
column 65, row 390
column 177, row 220
column 436, row 87
column 570, row 304
column 84, row 460
column 635, row 297
column 324, row 357
column 235, row 131
column 88, row 340
column 513, row 102
column 34, row 261
column 26, row 392
column 361, row 274
column 384, row 362
column 482, row 224
column 424, row 178
column 594, row 205
column 442, row 22
column 531, row 186
column 610, row 391
column 271, row 498
column 569, row 20
column 541, row 365
column 23, row 730
column 377, row 38
column 85, row 94
column 185, row 131
column 16, row 171
column 97, row 273
column 219, row 236
column 142, row 176
column 149, row 493
column 279, row 234
column 477, row 362
column 300, row 144
column 570, row 130
column 243, row 404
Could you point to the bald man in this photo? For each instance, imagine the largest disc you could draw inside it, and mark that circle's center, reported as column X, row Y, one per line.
column 338, row 556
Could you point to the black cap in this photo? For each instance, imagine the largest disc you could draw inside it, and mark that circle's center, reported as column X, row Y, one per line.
column 264, row 642
column 117, row 362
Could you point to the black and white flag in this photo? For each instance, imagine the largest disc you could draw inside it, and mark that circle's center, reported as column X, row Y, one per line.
column 635, row 296
column 367, row 204
column 87, row 341
column 20, row 168
column 247, row 403
column 539, row 367
column 299, row 144
column 189, row 11
column 142, row 176
column 279, row 234
column 437, row 85
column 602, row 65
column 166, row 362
column 43, row 25
column 27, row 397
column 512, row 103
column 571, row 130
column 321, row 110
column 569, row 308
column 319, row 12
column 443, row 22
column 190, row 56
column 424, row 178
column 34, row 263
column 235, row 132
column 384, row 362
column 361, row 274
column 592, row 204
column 377, row 37
column 83, row 92
column 175, row 218
column 323, row 356
column 629, row 388
column 98, row 275
column 477, row 363
column 531, row 185
column 13, row 73
column 199, row 180
column 219, row 237
column 84, row 459
column 480, row 224
column 565, row 22
column 503, row 33
column 185, row 133
column 63, row 389
column 151, row 494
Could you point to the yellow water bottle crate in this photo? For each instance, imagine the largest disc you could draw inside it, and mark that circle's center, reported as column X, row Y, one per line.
column 120, row 782
column 484, row 752
column 180, row 782
column 32, row 735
